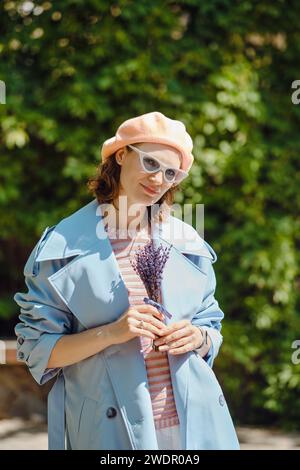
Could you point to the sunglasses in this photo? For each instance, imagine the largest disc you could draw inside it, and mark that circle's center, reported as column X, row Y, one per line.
column 151, row 164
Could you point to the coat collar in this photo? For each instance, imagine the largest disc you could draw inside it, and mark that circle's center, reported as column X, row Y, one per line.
column 78, row 234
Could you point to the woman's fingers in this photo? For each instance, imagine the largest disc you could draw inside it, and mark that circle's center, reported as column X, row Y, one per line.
column 182, row 349
column 146, row 313
column 151, row 317
column 145, row 308
column 185, row 331
column 155, row 325
column 140, row 324
column 173, row 345
column 142, row 332
column 145, row 328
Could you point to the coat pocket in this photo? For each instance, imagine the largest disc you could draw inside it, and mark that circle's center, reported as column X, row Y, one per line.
column 205, row 377
column 86, row 423
column 101, row 427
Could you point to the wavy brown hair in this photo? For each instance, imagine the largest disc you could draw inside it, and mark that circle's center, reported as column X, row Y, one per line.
column 105, row 186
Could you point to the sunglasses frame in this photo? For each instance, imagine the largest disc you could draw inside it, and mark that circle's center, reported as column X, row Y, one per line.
column 162, row 166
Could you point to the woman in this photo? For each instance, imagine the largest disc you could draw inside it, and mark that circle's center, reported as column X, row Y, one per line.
column 128, row 377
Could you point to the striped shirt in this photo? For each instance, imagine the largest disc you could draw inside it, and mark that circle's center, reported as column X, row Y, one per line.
column 156, row 362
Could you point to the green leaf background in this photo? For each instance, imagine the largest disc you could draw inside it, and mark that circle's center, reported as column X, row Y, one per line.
column 74, row 70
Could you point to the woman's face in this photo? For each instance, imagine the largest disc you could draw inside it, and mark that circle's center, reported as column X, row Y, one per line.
column 134, row 181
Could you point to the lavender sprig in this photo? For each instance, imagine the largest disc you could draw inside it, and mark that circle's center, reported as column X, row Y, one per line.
column 149, row 263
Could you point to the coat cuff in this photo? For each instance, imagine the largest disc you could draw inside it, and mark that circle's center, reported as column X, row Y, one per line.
column 216, row 341
column 39, row 356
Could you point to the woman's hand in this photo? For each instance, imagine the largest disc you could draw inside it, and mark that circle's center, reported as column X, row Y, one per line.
column 182, row 337
column 128, row 326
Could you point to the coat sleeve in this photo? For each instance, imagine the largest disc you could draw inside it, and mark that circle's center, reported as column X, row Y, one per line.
column 43, row 318
column 210, row 315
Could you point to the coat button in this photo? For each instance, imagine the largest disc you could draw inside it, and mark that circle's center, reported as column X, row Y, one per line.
column 21, row 355
column 20, row 340
column 111, row 412
column 222, row 400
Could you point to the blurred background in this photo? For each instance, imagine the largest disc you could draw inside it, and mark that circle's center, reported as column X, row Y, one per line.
column 71, row 72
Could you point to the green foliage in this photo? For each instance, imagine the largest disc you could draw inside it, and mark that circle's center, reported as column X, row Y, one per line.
column 74, row 70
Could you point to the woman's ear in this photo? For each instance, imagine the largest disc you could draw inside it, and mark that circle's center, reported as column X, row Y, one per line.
column 120, row 155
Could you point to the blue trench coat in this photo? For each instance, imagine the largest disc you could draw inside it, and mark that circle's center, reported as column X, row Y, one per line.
column 103, row 402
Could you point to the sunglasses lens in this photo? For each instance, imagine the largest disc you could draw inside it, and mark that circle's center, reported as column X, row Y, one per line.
column 150, row 164
column 170, row 174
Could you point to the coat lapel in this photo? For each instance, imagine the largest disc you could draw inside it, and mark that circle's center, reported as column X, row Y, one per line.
column 182, row 285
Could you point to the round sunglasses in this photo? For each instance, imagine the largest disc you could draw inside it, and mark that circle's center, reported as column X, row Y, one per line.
column 151, row 164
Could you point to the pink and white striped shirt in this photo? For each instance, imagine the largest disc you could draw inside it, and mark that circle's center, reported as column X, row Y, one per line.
column 156, row 362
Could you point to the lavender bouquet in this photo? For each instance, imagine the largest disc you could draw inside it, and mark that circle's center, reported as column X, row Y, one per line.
column 149, row 263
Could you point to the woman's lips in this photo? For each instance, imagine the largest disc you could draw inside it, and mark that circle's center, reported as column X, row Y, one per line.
column 148, row 190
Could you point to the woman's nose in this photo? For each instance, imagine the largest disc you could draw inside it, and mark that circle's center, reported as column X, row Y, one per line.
column 158, row 177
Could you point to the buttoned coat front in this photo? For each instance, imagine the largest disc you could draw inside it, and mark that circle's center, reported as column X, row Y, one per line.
column 103, row 402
